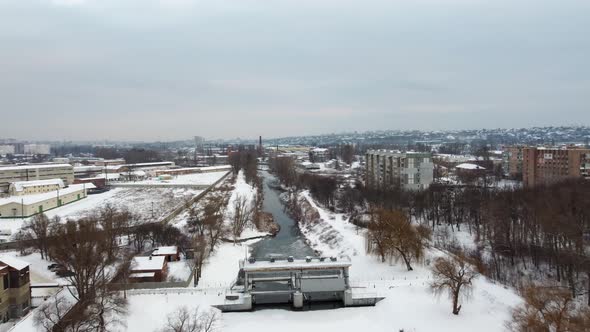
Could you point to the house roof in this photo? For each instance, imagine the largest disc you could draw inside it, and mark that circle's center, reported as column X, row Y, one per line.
column 147, row 263
column 171, row 250
column 297, row 264
column 470, row 166
column 33, row 166
column 21, row 185
column 142, row 275
column 35, row 198
column 13, row 262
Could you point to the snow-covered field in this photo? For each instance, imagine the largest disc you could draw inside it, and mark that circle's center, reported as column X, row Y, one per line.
column 141, row 202
column 408, row 304
column 186, row 179
column 178, row 271
column 242, row 190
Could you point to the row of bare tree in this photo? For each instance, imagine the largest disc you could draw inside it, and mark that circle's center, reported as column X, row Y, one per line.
column 544, row 230
column 88, row 249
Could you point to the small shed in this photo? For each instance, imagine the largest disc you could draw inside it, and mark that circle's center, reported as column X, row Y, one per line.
column 148, row 269
column 171, row 253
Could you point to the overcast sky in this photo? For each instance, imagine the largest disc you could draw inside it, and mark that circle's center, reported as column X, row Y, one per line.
column 172, row 69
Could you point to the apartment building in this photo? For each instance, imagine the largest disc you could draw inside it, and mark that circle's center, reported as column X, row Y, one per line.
column 4, row 294
column 34, row 172
column 33, row 149
column 319, row 155
column 550, row 165
column 512, row 157
column 16, row 283
column 6, row 149
column 409, row 170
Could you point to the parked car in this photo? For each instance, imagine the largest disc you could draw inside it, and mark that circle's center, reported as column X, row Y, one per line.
column 53, row 267
column 64, row 273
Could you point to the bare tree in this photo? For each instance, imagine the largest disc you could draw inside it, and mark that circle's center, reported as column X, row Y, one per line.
column 106, row 310
column 391, row 233
column 200, row 252
column 80, row 247
column 185, row 320
column 51, row 315
column 548, row 309
column 213, row 220
column 37, row 231
column 61, row 313
column 379, row 235
column 242, row 211
column 195, row 222
column 113, row 222
column 347, row 152
column 408, row 241
column 454, row 276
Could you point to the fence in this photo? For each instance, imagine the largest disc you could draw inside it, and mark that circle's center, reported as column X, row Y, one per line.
column 156, row 185
column 193, row 200
column 154, row 285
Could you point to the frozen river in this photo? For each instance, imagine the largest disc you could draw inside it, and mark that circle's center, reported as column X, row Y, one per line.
column 289, row 241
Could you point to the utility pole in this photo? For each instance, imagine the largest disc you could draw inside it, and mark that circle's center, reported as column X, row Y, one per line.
column 106, row 176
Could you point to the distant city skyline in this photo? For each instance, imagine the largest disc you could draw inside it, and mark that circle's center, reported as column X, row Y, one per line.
column 157, row 70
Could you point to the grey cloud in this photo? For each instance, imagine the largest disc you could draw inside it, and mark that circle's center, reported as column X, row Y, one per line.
column 173, row 69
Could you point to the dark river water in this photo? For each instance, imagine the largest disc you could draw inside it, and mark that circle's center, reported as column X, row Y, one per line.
column 289, row 241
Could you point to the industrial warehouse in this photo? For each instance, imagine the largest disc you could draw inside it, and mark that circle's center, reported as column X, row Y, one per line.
column 28, row 205
column 18, row 173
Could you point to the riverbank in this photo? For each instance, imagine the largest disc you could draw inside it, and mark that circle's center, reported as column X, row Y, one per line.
column 407, row 295
column 288, row 240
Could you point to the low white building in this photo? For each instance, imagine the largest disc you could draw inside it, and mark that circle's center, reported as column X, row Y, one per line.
column 35, row 187
column 29, row 205
column 470, row 167
column 148, row 269
column 307, row 165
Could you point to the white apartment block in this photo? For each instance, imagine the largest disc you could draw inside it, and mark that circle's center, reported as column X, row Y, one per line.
column 37, row 149
column 319, row 155
column 6, row 149
column 408, row 170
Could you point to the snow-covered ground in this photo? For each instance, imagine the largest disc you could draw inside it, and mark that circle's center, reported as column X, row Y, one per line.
column 27, row 323
column 179, row 270
column 186, row 179
column 39, row 274
column 408, row 304
column 139, row 201
column 221, row 268
column 241, row 190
